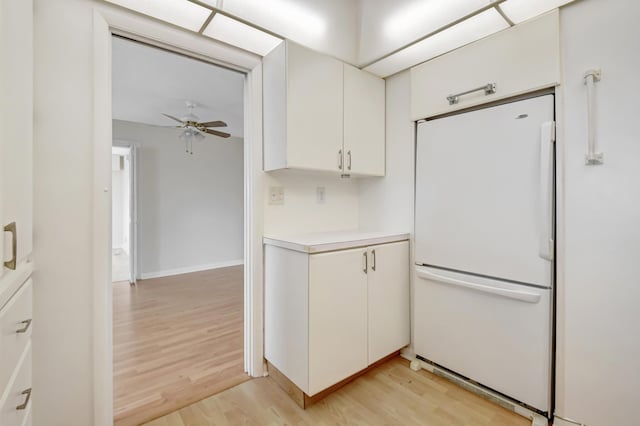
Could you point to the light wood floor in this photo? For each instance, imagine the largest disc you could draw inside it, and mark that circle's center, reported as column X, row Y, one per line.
column 391, row 394
column 176, row 341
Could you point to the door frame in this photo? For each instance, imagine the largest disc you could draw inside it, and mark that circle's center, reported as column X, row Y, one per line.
column 108, row 20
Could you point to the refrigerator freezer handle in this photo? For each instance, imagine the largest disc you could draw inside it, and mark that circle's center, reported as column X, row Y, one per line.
column 547, row 139
column 523, row 296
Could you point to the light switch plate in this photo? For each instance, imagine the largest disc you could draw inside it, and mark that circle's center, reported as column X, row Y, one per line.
column 276, row 195
column 320, row 195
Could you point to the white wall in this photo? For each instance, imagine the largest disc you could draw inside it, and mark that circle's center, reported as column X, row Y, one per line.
column 63, row 296
column 301, row 213
column 386, row 204
column 190, row 207
column 599, row 311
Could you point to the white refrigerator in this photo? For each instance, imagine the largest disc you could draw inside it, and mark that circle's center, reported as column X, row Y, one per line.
column 484, row 247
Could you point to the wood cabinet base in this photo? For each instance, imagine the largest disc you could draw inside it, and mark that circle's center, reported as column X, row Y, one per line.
column 304, row 400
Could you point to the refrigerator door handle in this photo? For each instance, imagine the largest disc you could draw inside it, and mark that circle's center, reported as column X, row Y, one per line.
column 523, row 296
column 547, row 138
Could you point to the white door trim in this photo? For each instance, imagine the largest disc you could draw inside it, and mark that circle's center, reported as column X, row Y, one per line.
column 107, row 20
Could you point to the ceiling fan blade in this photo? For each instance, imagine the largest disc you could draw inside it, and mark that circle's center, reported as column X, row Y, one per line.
column 173, row 118
column 217, row 133
column 213, row 124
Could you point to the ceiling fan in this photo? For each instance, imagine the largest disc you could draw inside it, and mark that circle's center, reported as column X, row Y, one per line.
column 193, row 128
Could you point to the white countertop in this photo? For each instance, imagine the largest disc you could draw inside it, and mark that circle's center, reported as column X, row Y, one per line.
column 330, row 241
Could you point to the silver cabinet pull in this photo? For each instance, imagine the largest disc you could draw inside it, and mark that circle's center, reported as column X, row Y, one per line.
column 340, row 159
column 27, row 324
column 373, row 260
column 488, row 88
column 366, row 263
column 23, row 406
column 349, row 160
column 11, row 264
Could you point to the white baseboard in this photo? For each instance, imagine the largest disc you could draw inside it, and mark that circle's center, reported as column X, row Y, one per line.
column 188, row 269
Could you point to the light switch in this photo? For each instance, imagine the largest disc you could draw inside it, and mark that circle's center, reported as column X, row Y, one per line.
column 320, row 195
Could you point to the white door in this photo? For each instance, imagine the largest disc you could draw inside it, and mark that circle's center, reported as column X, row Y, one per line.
column 484, row 188
column 314, row 109
column 16, row 129
column 337, row 316
column 388, row 299
column 364, row 123
column 493, row 332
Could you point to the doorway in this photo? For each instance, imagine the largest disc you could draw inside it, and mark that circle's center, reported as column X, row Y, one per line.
column 178, row 334
column 122, row 215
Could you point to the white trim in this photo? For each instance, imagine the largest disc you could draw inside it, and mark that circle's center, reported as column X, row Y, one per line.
column 110, row 19
column 189, row 269
column 101, row 205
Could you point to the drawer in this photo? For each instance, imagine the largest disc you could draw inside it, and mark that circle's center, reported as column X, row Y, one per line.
column 12, row 343
column 15, row 395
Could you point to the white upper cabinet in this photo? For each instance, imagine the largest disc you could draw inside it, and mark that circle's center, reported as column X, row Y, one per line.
column 321, row 114
column 364, row 123
column 518, row 60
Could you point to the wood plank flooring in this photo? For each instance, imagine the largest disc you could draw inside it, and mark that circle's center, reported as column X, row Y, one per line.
column 176, row 341
column 391, row 394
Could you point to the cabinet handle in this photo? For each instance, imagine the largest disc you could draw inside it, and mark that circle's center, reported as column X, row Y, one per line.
column 349, row 160
column 27, row 324
column 11, row 264
column 23, row 406
column 366, row 263
column 373, row 260
column 339, row 159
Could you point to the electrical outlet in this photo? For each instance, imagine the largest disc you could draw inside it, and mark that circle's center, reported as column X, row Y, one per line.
column 276, row 195
column 320, row 195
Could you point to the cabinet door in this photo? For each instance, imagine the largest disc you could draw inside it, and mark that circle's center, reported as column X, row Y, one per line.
column 364, row 122
column 16, row 129
column 314, row 110
column 337, row 317
column 388, row 299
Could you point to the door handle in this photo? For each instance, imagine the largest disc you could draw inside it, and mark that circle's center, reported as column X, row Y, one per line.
column 366, row 263
column 340, row 159
column 349, row 160
column 523, row 296
column 373, row 259
column 23, row 406
column 546, row 190
column 27, row 324
column 11, row 264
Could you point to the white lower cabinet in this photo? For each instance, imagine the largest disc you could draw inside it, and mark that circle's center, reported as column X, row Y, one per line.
column 337, row 317
column 331, row 314
column 15, row 352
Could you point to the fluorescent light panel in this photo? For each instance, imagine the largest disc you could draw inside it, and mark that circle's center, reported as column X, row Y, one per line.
column 521, row 10
column 241, row 35
column 178, row 12
column 423, row 17
column 475, row 28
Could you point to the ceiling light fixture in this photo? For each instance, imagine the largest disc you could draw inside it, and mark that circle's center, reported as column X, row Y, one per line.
column 423, row 17
column 178, row 12
column 240, row 35
column 465, row 32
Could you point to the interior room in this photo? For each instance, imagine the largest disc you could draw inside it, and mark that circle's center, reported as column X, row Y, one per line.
column 178, row 314
column 438, row 226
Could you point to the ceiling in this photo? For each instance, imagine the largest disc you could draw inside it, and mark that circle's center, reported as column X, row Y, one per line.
column 148, row 81
column 383, row 37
